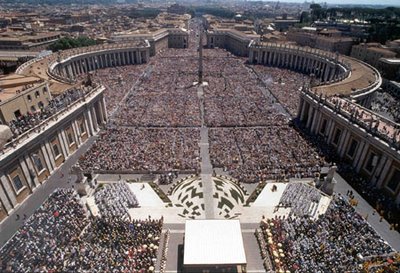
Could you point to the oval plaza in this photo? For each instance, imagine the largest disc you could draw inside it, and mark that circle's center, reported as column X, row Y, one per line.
column 201, row 151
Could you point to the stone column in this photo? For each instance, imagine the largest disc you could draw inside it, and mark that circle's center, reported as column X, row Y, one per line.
column 345, row 143
column 26, row 174
column 8, row 190
column 330, row 130
column 385, row 172
column 89, row 123
column 315, row 122
column 94, row 116
column 65, row 141
column 48, row 159
column 362, row 157
column 4, row 199
column 378, row 169
column 76, row 133
column 32, row 178
column 310, row 116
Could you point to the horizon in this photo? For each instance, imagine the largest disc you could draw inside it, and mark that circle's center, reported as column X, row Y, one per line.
column 394, row 3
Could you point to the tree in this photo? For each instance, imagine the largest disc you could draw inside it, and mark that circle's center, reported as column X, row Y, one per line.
column 67, row 43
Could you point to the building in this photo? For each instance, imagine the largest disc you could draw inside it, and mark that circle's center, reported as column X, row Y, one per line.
column 27, row 40
column 20, row 95
column 162, row 38
column 233, row 40
column 29, row 159
column 325, row 40
column 371, row 53
column 389, row 68
column 367, row 141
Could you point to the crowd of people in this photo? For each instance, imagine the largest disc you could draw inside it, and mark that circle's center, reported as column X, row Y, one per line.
column 301, row 198
column 155, row 150
column 387, row 105
column 163, row 99
column 31, row 119
column 284, row 84
column 234, row 96
column 338, row 241
column 254, row 155
column 114, row 199
column 60, row 237
column 117, row 82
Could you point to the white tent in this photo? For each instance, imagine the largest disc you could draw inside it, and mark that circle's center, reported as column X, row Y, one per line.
column 213, row 242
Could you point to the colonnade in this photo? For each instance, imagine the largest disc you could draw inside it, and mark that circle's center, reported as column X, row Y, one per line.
column 373, row 157
column 324, row 67
column 49, row 147
column 83, row 63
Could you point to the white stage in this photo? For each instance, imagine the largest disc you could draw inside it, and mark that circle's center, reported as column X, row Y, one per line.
column 267, row 198
column 146, row 196
column 213, row 242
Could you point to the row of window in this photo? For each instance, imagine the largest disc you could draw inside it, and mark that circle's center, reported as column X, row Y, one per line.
column 372, row 157
column 37, row 94
column 38, row 158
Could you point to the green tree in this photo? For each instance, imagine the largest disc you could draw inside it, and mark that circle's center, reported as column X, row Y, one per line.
column 68, row 43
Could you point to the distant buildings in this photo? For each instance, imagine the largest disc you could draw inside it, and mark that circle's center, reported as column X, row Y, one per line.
column 11, row 40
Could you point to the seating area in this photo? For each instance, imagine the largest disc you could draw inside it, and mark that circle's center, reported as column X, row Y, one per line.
column 254, row 155
column 338, row 241
column 59, row 237
column 149, row 150
column 114, row 199
column 284, row 84
column 301, row 198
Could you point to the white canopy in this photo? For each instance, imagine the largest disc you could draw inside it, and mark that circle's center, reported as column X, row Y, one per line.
column 213, row 242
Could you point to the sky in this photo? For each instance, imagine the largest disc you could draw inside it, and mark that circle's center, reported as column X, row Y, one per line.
column 354, row 2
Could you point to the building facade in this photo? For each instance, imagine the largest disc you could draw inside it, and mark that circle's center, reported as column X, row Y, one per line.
column 32, row 157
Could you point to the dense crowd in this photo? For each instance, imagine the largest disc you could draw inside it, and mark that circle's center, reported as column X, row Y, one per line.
column 301, row 198
column 254, row 155
column 162, row 99
column 284, row 84
column 114, row 199
column 117, row 82
column 130, row 149
column 31, row 119
column 59, row 237
column 337, row 241
column 387, row 105
column 234, row 96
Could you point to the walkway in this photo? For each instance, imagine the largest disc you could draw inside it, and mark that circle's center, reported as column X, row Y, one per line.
column 206, row 167
column 59, row 179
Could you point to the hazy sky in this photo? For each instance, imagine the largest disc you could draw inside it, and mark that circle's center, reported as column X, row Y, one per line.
column 359, row 2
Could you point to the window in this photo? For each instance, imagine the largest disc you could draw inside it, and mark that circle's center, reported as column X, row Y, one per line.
column 56, row 151
column 38, row 162
column 33, row 109
column 372, row 161
column 17, row 114
column 82, row 127
column 336, row 138
column 352, row 148
column 394, row 181
column 37, row 94
column 70, row 138
column 17, row 183
column 323, row 127
column 40, row 105
column 29, row 98
column 44, row 90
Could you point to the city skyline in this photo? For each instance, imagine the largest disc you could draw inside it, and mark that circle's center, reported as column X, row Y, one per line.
column 352, row 2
